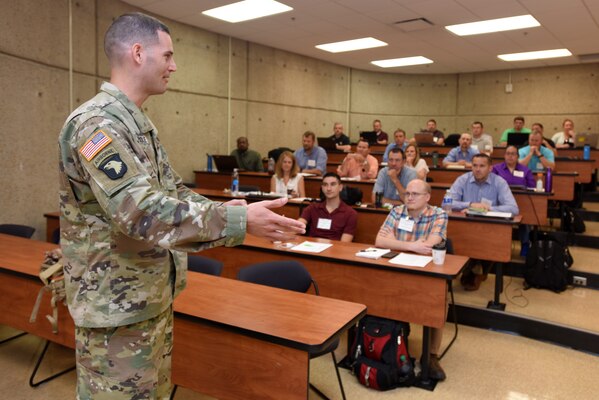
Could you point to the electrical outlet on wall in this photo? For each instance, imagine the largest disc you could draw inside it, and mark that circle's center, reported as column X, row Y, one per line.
column 508, row 88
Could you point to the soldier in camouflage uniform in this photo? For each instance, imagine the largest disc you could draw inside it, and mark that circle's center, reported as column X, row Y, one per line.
column 126, row 221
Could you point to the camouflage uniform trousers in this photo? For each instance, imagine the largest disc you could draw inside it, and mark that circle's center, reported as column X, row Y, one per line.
column 126, row 362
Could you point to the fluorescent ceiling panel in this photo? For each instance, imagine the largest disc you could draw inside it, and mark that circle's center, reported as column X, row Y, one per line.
column 494, row 25
column 246, row 10
column 351, row 45
column 535, row 55
column 402, row 62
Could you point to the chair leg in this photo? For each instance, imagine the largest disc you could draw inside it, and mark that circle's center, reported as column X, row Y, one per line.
column 37, row 365
column 173, row 392
column 322, row 395
column 18, row 335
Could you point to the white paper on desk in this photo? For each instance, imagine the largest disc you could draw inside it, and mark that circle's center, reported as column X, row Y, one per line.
column 304, row 174
column 351, row 178
column 411, row 260
column 372, row 253
column 311, row 247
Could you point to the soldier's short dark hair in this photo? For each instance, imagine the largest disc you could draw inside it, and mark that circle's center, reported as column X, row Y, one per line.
column 332, row 175
column 129, row 29
column 483, row 155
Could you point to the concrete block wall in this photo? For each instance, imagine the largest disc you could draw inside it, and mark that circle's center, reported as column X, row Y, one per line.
column 274, row 96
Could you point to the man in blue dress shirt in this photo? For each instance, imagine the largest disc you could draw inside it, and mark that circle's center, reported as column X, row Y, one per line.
column 393, row 179
column 311, row 158
column 461, row 155
column 481, row 189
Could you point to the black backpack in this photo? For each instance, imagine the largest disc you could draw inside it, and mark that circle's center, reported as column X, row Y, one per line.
column 572, row 222
column 379, row 355
column 547, row 264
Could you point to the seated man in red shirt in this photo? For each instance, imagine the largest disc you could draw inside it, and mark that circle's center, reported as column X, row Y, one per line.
column 330, row 218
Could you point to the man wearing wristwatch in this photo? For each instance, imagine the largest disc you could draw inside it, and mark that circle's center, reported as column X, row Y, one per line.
column 535, row 156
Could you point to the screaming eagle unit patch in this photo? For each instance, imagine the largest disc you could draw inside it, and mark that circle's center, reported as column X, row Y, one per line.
column 108, row 161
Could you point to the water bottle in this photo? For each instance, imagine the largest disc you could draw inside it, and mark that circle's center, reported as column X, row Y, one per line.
column 548, row 180
column 405, row 367
column 435, row 159
column 209, row 163
column 235, row 182
column 586, row 152
column 271, row 165
column 539, row 187
column 447, row 201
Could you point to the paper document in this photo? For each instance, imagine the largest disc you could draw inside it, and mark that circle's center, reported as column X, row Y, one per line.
column 455, row 166
column 372, row 253
column 311, row 247
column 411, row 260
column 306, row 174
column 490, row 214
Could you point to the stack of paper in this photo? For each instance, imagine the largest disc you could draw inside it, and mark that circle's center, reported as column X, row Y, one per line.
column 372, row 253
column 411, row 260
column 311, row 247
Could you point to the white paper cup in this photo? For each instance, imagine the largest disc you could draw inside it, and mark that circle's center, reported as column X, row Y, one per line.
column 439, row 256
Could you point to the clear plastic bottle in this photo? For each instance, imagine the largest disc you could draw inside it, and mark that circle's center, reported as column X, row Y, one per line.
column 539, row 187
column 235, row 182
column 405, row 366
column 447, row 201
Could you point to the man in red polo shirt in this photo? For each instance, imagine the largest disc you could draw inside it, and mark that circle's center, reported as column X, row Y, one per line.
column 330, row 218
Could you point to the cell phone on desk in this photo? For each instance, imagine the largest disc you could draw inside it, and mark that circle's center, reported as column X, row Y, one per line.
column 390, row 254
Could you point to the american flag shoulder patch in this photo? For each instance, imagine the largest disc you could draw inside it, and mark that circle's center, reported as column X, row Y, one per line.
column 96, row 143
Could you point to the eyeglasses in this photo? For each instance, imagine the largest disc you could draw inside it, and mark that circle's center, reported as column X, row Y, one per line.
column 413, row 194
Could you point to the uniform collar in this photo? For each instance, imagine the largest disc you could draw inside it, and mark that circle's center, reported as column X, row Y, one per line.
column 143, row 122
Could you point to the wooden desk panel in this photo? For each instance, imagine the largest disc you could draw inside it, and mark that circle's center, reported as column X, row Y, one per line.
column 233, row 340
column 406, row 293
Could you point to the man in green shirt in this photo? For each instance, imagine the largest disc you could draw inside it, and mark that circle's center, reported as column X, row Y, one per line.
column 247, row 159
column 518, row 128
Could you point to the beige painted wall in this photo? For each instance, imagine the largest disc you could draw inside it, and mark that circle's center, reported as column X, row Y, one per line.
column 275, row 97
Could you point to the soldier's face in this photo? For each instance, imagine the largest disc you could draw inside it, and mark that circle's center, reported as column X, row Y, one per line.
column 159, row 64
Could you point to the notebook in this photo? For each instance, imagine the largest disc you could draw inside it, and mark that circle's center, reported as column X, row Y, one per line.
column 517, row 139
column 225, row 163
column 370, row 137
column 583, row 139
column 327, row 143
column 424, row 138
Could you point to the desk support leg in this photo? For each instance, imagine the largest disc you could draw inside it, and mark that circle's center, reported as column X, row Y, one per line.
column 424, row 381
column 495, row 304
column 37, row 365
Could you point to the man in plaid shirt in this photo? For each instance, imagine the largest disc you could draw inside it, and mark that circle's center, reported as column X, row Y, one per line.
column 417, row 226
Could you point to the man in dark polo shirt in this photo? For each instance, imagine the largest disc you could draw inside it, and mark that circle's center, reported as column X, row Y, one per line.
column 330, row 218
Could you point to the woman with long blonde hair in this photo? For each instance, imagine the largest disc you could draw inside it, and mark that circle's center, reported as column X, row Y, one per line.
column 413, row 160
column 287, row 179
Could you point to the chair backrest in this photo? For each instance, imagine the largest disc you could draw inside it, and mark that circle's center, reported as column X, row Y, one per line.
column 283, row 274
column 17, row 230
column 204, row 265
column 56, row 236
column 453, row 140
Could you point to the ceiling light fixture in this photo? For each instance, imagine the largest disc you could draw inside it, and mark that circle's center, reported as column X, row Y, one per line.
column 494, row 25
column 247, row 10
column 402, row 62
column 535, row 55
column 351, row 45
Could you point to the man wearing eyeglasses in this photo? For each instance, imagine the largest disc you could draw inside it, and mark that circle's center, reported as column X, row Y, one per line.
column 331, row 218
column 417, row 226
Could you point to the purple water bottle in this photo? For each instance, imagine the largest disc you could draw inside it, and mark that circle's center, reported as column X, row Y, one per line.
column 548, row 181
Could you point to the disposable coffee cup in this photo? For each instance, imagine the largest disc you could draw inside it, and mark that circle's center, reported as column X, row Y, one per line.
column 439, row 252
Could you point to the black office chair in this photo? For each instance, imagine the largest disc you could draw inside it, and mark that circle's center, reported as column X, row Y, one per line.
column 56, row 236
column 453, row 140
column 204, row 265
column 17, row 230
column 289, row 275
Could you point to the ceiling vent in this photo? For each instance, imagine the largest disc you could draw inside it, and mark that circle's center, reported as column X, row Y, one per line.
column 415, row 24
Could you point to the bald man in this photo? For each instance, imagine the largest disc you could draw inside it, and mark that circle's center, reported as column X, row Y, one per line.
column 461, row 155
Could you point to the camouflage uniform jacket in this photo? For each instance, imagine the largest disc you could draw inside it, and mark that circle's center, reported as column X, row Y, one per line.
column 125, row 216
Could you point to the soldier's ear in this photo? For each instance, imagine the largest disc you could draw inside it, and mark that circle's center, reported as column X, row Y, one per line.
column 137, row 52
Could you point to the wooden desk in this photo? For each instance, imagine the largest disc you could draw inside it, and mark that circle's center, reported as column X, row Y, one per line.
column 250, row 334
column 404, row 293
